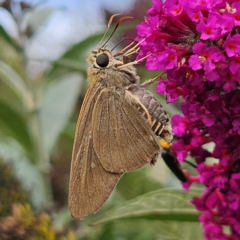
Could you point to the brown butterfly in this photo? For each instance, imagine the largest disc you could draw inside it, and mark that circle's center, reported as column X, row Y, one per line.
column 116, row 131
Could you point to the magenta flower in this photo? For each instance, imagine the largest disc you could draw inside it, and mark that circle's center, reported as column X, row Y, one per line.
column 232, row 45
column 211, row 28
column 197, row 44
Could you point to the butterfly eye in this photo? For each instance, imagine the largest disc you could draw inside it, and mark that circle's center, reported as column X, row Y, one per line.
column 102, row 60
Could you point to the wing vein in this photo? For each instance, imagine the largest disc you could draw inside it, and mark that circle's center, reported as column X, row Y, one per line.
column 129, row 141
column 135, row 126
column 115, row 128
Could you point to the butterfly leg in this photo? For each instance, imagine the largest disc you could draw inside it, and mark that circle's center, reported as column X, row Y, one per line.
column 150, row 81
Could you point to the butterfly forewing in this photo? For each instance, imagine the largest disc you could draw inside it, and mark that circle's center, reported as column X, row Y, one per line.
column 90, row 184
column 122, row 137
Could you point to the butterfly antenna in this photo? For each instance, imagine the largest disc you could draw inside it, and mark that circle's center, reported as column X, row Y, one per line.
column 118, row 22
column 108, row 26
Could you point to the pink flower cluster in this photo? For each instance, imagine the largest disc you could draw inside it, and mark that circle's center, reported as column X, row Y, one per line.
column 197, row 44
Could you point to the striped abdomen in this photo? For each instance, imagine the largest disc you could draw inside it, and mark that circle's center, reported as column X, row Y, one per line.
column 159, row 117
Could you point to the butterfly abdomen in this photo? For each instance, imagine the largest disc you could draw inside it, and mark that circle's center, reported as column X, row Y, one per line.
column 160, row 123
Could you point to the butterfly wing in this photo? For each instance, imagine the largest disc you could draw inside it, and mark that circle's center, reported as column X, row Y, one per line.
column 122, row 137
column 90, row 184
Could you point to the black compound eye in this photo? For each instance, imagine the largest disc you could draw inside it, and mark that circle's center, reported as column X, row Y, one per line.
column 102, row 60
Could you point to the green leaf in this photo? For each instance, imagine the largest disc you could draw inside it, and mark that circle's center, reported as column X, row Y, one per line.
column 58, row 104
column 13, row 124
column 11, row 78
column 8, row 38
column 142, row 229
column 73, row 65
column 140, row 183
column 164, row 204
column 179, row 230
column 25, row 171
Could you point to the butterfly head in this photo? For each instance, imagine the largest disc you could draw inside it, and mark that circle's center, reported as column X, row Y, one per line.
column 103, row 58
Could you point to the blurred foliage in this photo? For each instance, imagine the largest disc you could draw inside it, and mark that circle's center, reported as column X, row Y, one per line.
column 10, row 190
column 17, row 220
column 38, row 114
column 24, row 224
